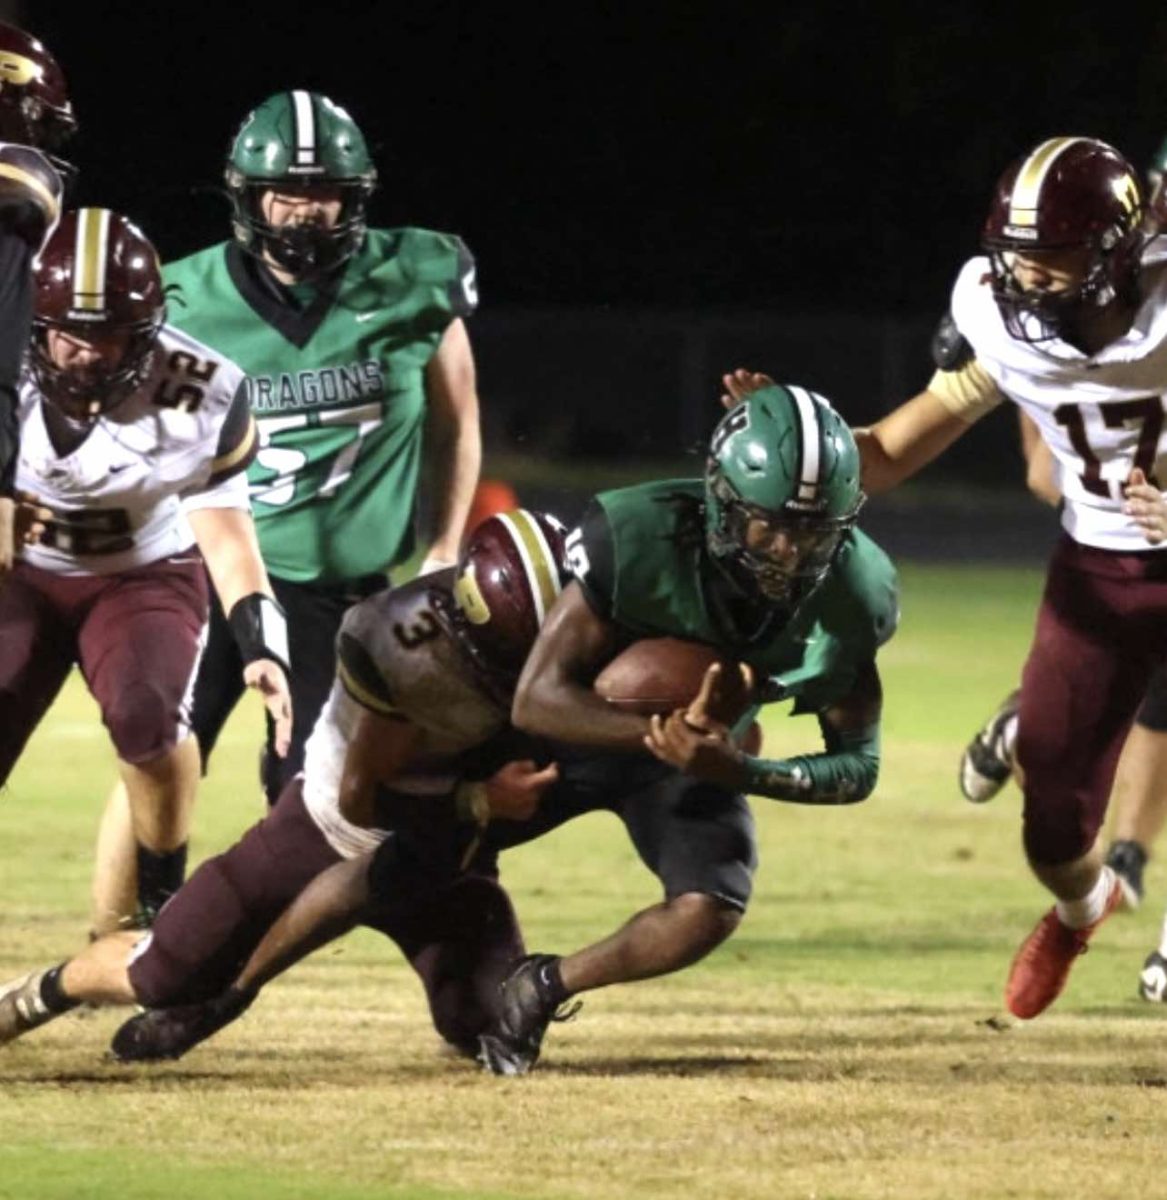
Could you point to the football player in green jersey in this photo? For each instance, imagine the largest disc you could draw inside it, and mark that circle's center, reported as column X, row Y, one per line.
column 362, row 382
column 762, row 560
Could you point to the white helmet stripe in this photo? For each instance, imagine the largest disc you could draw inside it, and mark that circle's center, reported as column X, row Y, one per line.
column 305, row 128
column 89, row 259
column 538, row 561
column 811, row 443
column 1031, row 176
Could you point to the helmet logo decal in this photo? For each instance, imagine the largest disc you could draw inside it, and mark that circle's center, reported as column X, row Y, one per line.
column 305, row 128
column 18, row 70
column 733, row 422
column 537, row 559
column 808, row 420
column 468, row 596
column 89, row 263
column 1126, row 191
column 1023, row 203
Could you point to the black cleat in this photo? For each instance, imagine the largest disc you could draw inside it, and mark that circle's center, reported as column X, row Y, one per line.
column 21, row 1007
column 1153, row 978
column 987, row 762
column 159, row 1034
column 511, row 1046
column 1127, row 859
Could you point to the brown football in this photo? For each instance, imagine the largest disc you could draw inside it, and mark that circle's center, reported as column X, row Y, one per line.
column 658, row 675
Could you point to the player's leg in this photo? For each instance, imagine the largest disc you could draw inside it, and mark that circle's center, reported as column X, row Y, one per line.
column 139, row 647
column 1097, row 636
column 699, row 841
column 37, row 650
column 207, row 934
column 461, row 939
column 314, row 613
column 1139, row 797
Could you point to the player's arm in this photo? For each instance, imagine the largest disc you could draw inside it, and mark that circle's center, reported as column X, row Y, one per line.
column 554, row 697
column 219, row 514
column 920, row 430
column 1041, row 473
column 453, row 442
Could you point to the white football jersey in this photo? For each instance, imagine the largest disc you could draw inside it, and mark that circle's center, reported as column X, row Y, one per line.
column 396, row 657
column 1100, row 414
column 185, row 435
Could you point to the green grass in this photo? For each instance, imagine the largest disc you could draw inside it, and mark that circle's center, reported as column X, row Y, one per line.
column 848, row 1042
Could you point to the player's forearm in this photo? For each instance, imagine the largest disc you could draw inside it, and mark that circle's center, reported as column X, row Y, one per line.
column 569, row 712
column 226, row 538
column 454, row 461
column 845, row 774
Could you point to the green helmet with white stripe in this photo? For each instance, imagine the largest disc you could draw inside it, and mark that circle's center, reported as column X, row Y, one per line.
column 293, row 142
column 781, row 491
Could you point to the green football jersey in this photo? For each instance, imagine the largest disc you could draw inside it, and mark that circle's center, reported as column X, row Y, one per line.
column 337, row 389
column 640, row 556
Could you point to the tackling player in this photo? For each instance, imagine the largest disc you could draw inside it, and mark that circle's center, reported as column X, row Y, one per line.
column 36, row 119
column 1066, row 315
column 361, row 379
column 136, row 438
column 418, row 712
column 760, row 559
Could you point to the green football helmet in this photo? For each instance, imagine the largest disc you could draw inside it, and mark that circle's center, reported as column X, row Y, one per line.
column 781, row 491
column 293, row 140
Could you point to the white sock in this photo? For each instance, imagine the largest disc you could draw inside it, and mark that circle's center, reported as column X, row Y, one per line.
column 1163, row 938
column 1077, row 914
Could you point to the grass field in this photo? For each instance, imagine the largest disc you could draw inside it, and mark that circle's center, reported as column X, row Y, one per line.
column 849, row 1042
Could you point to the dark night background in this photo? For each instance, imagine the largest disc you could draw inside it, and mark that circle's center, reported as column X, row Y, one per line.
column 654, row 192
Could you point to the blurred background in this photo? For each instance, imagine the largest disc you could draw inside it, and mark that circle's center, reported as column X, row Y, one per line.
column 655, row 193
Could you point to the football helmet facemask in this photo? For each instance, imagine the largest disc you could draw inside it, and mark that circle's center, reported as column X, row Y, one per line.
column 291, row 141
column 97, row 279
column 512, row 569
column 34, row 102
column 1069, row 193
column 781, row 491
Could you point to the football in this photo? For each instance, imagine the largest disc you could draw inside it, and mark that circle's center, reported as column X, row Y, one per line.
column 658, row 675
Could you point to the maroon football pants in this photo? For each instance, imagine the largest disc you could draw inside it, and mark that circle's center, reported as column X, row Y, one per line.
column 1101, row 632
column 136, row 636
column 460, row 938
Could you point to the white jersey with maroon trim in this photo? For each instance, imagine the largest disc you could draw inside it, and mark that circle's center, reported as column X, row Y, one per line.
column 397, row 657
column 1100, row 414
column 183, row 438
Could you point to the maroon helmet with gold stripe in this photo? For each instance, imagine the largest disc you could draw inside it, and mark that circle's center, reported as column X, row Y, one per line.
column 510, row 573
column 1067, row 193
column 35, row 109
column 96, row 280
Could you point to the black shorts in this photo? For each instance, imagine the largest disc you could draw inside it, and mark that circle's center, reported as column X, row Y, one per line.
column 694, row 837
column 1153, row 712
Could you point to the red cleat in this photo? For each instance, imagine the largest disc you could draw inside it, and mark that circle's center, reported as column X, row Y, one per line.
column 1042, row 965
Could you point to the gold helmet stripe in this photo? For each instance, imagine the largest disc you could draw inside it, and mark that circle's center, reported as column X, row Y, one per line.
column 305, row 128
column 29, row 180
column 538, row 561
column 89, row 259
column 1031, row 176
column 18, row 69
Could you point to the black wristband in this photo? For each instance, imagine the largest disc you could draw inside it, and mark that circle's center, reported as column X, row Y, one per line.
column 260, row 629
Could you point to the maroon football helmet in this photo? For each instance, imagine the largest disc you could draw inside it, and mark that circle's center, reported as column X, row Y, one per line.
column 512, row 569
column 1067, row 193
column 34, row 101
column 97, row 280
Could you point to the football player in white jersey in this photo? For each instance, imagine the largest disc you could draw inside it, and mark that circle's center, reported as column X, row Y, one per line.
column 1066, row 315
column 36, row 119
column 136, row 438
